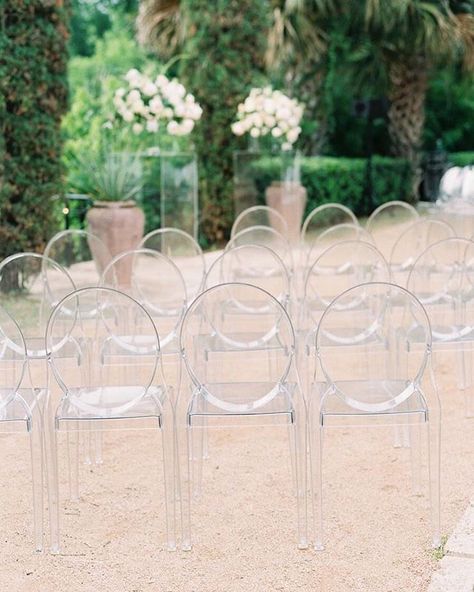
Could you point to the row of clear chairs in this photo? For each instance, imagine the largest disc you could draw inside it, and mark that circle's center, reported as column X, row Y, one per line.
column 231, row 266
column 242, row 369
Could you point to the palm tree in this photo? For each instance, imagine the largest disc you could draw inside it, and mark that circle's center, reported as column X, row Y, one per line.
column 412, row 37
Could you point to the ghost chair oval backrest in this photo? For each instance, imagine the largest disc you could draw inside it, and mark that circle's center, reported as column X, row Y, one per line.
column 157, row 284
column 323, row 217
column 81, row 253
column 268, row 237
column 252, row 264
column 30, row 286
column 260, row 216
column 334, row 235
column 238, row 361
column 340, row 267
column 388, row 221
column 12, row 360
column 185, row 253
column 442, row 278
column 411, row 244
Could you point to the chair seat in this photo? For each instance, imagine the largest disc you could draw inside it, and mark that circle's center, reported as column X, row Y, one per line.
column 244, row 341
column 444, row 334
column 111, row 402
column 144, row 344
column 20, row 408
column 372, row 393
column 239, row 399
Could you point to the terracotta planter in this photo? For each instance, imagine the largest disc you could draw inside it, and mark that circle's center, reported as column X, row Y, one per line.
column 289, row 199
column 120, row 226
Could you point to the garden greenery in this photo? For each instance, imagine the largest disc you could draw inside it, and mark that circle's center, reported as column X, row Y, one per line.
column 33, row 98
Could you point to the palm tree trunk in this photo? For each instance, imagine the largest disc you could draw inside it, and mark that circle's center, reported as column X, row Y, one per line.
column 408, row 84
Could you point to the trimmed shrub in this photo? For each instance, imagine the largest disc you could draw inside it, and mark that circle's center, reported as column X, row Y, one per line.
column 224, row 56
column 344, row 180
column 33, row 97
column 461, row 158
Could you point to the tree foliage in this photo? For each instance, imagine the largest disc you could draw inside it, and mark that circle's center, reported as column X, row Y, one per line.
column 33, row 97
column 224, row 58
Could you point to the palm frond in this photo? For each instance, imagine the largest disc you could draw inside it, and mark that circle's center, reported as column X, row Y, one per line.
column 160, row 25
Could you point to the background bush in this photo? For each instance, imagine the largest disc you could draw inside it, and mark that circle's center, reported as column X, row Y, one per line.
column 33, row 98
column 224, row 58
column 344, row 180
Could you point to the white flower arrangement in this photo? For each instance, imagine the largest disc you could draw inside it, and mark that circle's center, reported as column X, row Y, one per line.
column 267, row 112
column 148, row 104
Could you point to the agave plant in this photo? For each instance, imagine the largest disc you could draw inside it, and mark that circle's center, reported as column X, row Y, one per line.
column 110, row 176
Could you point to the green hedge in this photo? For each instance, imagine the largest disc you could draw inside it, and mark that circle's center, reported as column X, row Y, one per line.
column 224, row 57
column 461, row 158
column 344, row 180
column 33, row 97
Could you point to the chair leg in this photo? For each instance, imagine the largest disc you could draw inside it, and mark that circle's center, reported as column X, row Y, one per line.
column 99, row 437
column 36, row 449
column 316, row 457
column 196, row 439
column 432, row 435
column 186, row 496
column 170, row 482
column 73, row 457
column 415, row 457
column 299, row 458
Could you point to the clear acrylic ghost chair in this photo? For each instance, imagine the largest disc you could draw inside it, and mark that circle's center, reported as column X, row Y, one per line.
column 81, row 253
column 252, row 264
column 388, row 221
column 331, row 236
column 323, row 217
column 157, row 284
column 340, row 267
column 260, row 216
column 268, row 237
column 411, row 244
column 185, row 253
column 442, row 278
column 30, row 286
column 231, row 387
column 124, row 391
column 359, row 386
column 21, row 410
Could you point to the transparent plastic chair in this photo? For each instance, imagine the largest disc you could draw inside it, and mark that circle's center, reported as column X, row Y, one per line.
column 124, row 390
column 455, row 202
column 340, row 267
column 331, row 236
column 157, row 284
column 324, row 217
column 252, row 264
column 260, row 216
column 368, row 389
column 185, row 253
column 81, row 253
column 387, row 222
column 268, row 237
column 232, row 386
column 411, row 244
column 442, row 278
column 30, row 286
column 21, row 410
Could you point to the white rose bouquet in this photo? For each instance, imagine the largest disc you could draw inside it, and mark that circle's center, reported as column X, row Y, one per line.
column 156, row 105
column 269, row 113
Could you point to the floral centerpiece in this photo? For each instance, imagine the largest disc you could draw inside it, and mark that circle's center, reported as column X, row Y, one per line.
column 270, row 114
column 158, row 106
column 271, row 119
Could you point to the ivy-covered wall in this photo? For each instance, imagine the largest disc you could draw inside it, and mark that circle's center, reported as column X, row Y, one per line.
column 33, row 97
column 223, row 58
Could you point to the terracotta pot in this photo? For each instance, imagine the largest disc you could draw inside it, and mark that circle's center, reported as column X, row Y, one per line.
column 120, row 226
column 289, row 199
